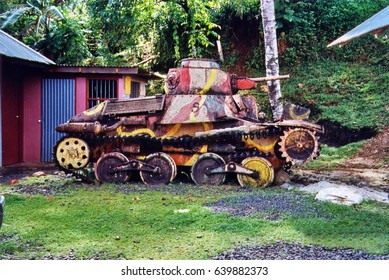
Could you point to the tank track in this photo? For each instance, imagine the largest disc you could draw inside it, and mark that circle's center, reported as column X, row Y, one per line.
column 185, row 142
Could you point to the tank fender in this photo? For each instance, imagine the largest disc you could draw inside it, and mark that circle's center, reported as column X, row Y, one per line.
column 91, row 128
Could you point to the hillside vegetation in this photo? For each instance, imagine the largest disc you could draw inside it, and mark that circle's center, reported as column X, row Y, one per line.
column 345, row 88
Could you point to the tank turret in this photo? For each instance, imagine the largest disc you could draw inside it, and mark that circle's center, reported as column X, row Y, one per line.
column 200, row 123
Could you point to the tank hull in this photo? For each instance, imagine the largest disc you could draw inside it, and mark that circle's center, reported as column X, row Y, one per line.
column 201, row 124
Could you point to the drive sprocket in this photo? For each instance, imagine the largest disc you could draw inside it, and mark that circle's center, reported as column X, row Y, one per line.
column 299, row 145
column 72, row 153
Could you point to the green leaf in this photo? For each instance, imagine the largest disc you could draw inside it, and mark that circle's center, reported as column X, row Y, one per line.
column 12, row 16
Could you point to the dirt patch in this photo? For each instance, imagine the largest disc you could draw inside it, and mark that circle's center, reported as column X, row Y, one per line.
column 374, row 153
column 358, row 177
column 20, row 171
column 368, row 168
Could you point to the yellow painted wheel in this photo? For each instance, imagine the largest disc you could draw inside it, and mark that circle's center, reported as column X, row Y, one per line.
column 264, row 169
column 72, row 153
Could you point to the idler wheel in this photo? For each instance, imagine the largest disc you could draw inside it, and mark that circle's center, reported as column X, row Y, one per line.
column 164, row 169
column 72, row 153
column 299, row 145
column 104, row 168
column 200, row 171
column 264, row 169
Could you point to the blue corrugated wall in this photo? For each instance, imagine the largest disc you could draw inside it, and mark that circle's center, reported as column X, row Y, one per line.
column 58, row 105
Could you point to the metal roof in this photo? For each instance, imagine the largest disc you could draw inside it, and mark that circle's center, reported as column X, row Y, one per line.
column 93, row 69
column 376, row 25
column 11, row 47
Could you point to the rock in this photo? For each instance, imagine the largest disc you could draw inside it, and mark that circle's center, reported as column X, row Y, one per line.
column 199, row 236
column 366, row 193
column 281, row 177
column 341, row 195
column 181, row 211
column 39, row 174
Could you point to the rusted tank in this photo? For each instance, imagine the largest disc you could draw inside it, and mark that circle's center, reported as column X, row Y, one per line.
column 201, row 123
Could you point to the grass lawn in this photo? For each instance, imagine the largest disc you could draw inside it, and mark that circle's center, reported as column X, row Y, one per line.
column 116, row 222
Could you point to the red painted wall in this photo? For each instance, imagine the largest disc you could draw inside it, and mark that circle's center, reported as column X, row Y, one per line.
column 32, row 119
column 81, row 94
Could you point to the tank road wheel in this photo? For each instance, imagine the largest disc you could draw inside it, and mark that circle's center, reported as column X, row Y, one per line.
column 72, row 153
column 264, row 169
column 299, row 145
column 200, row 170
column 104, row 168
column 164, row 169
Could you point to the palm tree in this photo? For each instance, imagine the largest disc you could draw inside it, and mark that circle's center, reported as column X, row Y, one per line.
column 41, row 13
column 271, row 53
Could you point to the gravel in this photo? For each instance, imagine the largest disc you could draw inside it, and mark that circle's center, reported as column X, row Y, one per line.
column 270, row 206
column 294, row 251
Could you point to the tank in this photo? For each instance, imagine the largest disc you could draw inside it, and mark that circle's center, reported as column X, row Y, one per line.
column 201, row 124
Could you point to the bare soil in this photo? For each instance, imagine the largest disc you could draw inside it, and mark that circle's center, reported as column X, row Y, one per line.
column 367, row 168
column 374, row 153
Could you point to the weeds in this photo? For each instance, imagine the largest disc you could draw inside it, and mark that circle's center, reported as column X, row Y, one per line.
column 105, row 223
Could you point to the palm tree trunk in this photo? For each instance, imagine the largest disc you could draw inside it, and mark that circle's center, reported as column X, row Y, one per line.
column 271, row 57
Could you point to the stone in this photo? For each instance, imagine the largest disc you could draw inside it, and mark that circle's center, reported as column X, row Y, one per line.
column 181, row 211
column 281, row 177
column 341, row 195
column 366, row 193
column 39, row 174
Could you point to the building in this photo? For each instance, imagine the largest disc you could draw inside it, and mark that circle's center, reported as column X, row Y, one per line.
column 36, row 95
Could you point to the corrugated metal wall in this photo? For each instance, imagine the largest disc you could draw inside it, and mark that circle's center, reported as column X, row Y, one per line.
column 58, row 105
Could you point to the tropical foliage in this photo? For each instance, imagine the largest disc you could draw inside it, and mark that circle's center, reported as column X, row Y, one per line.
column 126, row 32
column 337, row 84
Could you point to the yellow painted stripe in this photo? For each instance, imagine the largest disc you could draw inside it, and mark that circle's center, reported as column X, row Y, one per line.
column 204, row 149
column 192, row 116
column 120, row 132
column 172, row 131
column 261, row 147
column 207, row 126
column 210, row 82
column 192, row 160
column 94, row 110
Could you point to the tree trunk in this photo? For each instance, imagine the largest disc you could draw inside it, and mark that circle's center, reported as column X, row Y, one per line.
column 271, row 57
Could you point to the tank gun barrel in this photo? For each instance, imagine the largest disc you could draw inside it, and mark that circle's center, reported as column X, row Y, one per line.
column 273, row 78
column 242, row 83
